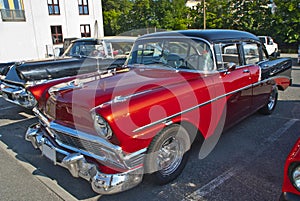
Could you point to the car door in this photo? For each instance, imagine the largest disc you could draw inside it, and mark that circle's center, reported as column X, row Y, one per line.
column 233, row 81
column 253, row 56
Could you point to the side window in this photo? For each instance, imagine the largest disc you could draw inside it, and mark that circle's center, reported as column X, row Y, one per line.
column 251, row 53
column 227, row 53
column 263, row 53
column 200, row 57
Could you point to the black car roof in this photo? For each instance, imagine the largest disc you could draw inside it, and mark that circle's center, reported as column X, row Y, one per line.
column 108, row 39
column 211, row 35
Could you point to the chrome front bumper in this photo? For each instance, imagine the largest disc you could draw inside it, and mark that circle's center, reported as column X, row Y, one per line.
column 78, row 166
column 17, row 95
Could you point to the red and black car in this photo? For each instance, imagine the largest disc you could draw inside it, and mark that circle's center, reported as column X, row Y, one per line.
column 84, row 55
column 113, row 127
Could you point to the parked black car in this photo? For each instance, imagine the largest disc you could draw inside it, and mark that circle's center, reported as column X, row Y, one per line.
column 83, row 56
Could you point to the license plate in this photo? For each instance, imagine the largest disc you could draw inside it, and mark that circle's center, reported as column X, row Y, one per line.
column 49, row 152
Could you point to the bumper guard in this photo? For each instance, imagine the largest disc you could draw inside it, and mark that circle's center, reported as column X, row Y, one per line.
column 78, row 166
column 17, row 95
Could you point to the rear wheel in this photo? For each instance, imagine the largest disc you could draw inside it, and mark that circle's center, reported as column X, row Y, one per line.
column 270, row 106
column 167, row 154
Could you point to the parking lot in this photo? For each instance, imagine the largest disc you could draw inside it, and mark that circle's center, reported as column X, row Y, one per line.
column 246, row 164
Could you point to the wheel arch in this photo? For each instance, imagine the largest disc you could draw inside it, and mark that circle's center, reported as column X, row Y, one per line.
column 195, row 134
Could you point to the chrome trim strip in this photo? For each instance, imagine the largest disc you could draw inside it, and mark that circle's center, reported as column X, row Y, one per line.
column 189, row 109
column 118, row 99
column 45, row 121
column 166, row 119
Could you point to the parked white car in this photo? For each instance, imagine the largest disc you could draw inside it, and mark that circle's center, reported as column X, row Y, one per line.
column 298, row 54
column 271, row 46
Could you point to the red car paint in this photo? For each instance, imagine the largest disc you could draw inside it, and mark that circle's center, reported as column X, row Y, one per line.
column 293, row 158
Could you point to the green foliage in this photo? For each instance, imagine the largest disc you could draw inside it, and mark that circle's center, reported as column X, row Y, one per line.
column 253, row 16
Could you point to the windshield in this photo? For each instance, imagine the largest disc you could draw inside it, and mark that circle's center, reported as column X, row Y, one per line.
column 100, row 48
column 174, row 53
column 81, row 48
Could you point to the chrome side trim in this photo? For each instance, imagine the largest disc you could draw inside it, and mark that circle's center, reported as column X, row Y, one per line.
column 118, row 99
column 167, row 119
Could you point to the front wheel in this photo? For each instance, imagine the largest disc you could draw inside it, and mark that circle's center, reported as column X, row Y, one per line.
column 167, row 154
column 271, row 104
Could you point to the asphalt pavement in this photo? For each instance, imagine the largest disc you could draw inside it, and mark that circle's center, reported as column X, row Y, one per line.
column 17, row 182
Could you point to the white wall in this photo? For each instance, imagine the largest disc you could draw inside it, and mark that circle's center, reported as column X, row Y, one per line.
column 27, row 40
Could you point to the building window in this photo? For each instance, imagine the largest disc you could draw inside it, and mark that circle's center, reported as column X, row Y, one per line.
column 53, row 7
column 85, row 30
column 12, row 10
column 56, row 33
column 83, row 6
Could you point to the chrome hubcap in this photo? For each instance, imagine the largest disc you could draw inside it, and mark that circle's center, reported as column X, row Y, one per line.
column 169, row 156
column 272, row 100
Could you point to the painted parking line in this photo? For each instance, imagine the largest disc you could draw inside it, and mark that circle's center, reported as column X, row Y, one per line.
column 272, row 138
column 211, row 186
column 8, row 122
column 199, row 194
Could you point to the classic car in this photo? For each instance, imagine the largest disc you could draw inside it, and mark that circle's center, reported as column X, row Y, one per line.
column 271, row 46
column 291, row 178
column 111, row 128
column 83, row 56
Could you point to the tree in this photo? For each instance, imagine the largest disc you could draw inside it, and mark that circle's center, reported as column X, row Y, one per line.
column 253, row 16
column 287, row 20
column 116, row 16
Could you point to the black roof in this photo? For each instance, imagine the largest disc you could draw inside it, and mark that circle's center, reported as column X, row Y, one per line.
column 85, row 40
column 115, row 39
column 211, row 35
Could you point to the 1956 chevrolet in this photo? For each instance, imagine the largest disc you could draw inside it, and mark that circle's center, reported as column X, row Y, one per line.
column 111, row 128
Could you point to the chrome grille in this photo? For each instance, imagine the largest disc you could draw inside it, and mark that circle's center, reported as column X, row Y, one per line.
column 79, row 143
column 136, row 160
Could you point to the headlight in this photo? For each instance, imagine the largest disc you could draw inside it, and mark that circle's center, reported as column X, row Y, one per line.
column 27, row 99
column 101, row 126
column 296, row 177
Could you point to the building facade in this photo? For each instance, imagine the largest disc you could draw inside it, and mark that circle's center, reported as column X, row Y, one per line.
column 33, row 29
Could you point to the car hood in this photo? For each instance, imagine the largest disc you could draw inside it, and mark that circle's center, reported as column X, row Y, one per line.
column 70, row 103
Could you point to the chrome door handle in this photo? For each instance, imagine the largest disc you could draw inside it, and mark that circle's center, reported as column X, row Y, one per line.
column 246, row 71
